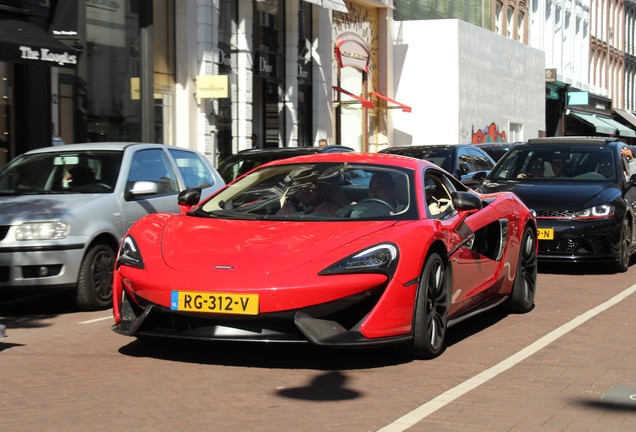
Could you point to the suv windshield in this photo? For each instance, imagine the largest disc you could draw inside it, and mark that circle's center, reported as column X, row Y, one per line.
column 557, row 163
column 61, row 172
column 316, row 191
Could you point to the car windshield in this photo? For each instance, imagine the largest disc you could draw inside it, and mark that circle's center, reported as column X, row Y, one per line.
column 442, row 156
column 316, row 191
column 61, row 172
column 533, row 163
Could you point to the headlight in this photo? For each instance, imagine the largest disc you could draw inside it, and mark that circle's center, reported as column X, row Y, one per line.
column 129, row 254
column 603, row 211
column 381, row 258
column 42, row 231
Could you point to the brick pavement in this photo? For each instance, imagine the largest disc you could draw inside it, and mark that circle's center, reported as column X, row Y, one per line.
column 59, row 375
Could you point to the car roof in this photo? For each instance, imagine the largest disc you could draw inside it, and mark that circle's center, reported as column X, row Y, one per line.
column 497, row 144
column 118, row 146
column 426, row 146
column 575, row 140
column 284, row 152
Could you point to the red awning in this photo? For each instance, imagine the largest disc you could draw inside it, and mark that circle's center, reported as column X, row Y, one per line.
column 405, row 108
column 366, row 103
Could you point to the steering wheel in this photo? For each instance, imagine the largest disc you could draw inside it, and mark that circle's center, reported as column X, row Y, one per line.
column 378, row 201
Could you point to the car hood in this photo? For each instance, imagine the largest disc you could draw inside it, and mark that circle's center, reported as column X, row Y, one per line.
column 257, row 247
column 15, row 209
column 556, row 195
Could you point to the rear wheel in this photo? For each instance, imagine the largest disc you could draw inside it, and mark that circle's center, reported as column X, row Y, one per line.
column 95, row 282
column 622, row 263
column 431, row 309
column 525, row 285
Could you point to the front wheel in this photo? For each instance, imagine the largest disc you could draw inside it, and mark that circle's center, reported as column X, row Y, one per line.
column 525, row 284
column 431, row 309
column 95, row 282
column 622, row 263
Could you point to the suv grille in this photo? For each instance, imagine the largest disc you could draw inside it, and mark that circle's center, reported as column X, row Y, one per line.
column 3, row 231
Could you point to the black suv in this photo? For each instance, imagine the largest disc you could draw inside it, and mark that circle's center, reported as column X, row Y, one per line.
column 582, row 190
column 238, row 164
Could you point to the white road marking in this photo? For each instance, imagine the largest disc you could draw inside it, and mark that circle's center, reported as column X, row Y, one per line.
column 96, row 320
column 424, row 410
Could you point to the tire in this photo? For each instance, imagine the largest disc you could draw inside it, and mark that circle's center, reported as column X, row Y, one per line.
column 95, row 281
column 431, row 309
column 622, row 263
column 525, row 284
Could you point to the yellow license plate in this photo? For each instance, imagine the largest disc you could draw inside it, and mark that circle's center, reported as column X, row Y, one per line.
column 225, row 303
column 545, row 233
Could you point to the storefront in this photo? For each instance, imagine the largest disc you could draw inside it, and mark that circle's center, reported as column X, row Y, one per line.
column 28, row 55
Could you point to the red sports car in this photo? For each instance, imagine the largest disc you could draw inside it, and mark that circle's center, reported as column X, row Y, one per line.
column 339, row 249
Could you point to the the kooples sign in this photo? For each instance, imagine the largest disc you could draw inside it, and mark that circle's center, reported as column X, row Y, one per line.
column 46, row 55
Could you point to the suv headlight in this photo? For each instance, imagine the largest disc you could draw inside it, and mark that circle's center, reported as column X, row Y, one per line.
column 42, row 231
column 603, row 211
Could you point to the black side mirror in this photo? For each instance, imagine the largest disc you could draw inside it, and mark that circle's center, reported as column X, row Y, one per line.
column 189, row 197
column 464, row 168
column 466, row 201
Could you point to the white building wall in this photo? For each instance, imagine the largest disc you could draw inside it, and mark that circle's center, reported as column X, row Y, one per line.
column 466, row 81
column 562, row 31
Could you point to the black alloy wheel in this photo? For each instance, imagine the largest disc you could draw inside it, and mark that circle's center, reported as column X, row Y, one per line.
column 525, row 284
column 431, row 309
column 95, row 282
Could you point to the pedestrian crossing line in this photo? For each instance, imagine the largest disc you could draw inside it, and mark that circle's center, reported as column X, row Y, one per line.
column 428, row 408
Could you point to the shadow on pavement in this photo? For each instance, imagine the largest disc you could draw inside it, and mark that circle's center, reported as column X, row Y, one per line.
column 265, row 355
column 330, row 386
column 32, row 308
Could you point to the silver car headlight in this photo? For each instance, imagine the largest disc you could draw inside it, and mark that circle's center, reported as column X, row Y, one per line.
column 603, row 211
column 55, row 230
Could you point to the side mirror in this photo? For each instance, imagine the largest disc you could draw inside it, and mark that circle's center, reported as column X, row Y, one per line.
column 188, row 198
column 142, row 188
column 465, row 201
column 464, row 168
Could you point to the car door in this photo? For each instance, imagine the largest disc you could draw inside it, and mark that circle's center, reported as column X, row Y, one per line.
column 151, row 165
column 196, row 171
column 473, row 266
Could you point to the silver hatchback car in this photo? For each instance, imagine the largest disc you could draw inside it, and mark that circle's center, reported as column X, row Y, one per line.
column 65, row 209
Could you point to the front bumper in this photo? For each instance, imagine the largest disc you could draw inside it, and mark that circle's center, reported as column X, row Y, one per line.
column 334, row 324
column 580, row 241
column 42, row 266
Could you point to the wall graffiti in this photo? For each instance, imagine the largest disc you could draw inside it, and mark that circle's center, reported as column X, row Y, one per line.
column 488, row 134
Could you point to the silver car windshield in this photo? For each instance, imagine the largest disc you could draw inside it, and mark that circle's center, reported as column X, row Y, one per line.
column 558, row 164
column 61, row 173
column 316, row 191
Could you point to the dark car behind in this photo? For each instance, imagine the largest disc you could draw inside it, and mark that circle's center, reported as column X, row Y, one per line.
column 496, row 150
column 468, row 163
column 581, row 192
column 238, row 164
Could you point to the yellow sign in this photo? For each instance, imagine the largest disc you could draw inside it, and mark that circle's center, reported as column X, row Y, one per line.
column 213, row 86
column 545, row 233
column 135, row 90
